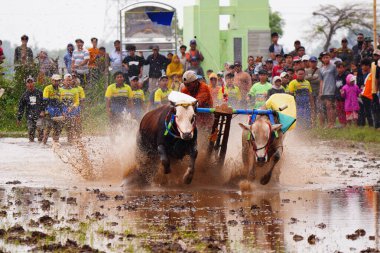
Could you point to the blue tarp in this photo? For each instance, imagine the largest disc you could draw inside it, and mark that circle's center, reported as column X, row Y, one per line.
column 161, row 18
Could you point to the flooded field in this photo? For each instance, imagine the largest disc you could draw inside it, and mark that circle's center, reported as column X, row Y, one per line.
column 326, row 200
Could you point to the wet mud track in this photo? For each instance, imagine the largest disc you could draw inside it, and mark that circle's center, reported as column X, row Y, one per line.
column 332, row 205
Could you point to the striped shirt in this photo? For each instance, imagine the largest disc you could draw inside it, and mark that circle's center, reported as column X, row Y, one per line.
column 79, row 57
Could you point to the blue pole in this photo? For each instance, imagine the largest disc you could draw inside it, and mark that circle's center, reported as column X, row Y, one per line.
column 237, row 111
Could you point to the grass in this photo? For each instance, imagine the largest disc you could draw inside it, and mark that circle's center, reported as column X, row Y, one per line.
column 352, row 133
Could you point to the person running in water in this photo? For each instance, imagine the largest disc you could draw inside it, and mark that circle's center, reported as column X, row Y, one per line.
column 31, row 103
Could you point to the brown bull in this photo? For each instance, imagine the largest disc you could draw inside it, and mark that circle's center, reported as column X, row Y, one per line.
column 261, row 149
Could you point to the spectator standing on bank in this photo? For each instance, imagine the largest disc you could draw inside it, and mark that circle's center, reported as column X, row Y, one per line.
column 116, row 57
column 327, row 88
column 23, row 53
column 182, row 56
column 358, row 48
column 133, row 63
column 93, row 68
column 350, row 92
column 68, row 57
column 275, row 48
column 194, row 53
column 241, row 79
column 344, row 53
column 297, row 44
column 312, row 75
column 157, row 64
column 174, row 69
column 79, row 63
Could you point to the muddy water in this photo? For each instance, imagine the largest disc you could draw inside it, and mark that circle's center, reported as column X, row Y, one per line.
column 326, row 200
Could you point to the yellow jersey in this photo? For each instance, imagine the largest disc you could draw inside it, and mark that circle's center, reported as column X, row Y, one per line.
column 161, row 96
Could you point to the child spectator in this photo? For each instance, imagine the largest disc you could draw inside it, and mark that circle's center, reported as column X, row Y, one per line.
column 350, row 92
column 214, row 87
column 162, row 93
column 138, row 98
column 259, row 91
column 340, row 81
column 276, row 86
column 231, row 93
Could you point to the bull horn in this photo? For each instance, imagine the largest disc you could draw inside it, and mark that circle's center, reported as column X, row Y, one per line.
column 276, row 127
column 245, row 127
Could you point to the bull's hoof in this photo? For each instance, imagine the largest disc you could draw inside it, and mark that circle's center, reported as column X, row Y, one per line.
column 188, row 177
column 166, row 165
column 265, row 179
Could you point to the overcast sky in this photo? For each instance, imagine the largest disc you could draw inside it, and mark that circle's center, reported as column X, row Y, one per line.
column 52, row 24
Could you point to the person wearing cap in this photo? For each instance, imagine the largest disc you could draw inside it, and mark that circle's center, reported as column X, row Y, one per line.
column 301, row 90
column 297, row 44
column 275, row 48
column 194, row 66
column 305, row 61
column 367, row 49
column 258, row 93
column 69, row 98
column 201, row 92
column 241, row 79
column 23, row 54
column 327, row 76
column 118, row 100
column 344, row 53
column 67, row 58
column 31, row 103
column 285, row 80
column 174, row 70
column 350, row 92
column 157, row 65
column 79, row 63
column 194, row 52
column 297, row 63
column 312, row 75
column 133, row 63
column 162, row 93
column 276, row 86
column 116, row 59
column 138, row 99
column 53, row 109
column 230, row 93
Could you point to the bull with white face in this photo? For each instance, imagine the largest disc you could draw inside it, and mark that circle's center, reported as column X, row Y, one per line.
column 261, row 149
column 167, row 133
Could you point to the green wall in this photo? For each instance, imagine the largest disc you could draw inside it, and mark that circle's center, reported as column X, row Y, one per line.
column 202, row 21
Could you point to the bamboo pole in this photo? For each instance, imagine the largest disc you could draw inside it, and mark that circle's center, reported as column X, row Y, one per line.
column 373, row 66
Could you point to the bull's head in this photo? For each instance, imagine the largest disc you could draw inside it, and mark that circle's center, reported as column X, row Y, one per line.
column 260, row 136
column 183, row 107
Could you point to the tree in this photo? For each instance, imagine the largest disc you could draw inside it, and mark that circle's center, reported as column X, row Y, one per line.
column 276, row 22
column 329, row 19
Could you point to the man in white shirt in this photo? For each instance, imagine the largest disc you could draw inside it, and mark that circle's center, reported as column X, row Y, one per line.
column 116, row 58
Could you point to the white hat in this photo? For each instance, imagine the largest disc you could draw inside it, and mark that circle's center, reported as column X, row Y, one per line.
column 56, row 77
column 283, row 74
column 353, row 79
column 67, row 75
column 180, row 98
column 276, row 78
column 305, row 58
column 189, row 76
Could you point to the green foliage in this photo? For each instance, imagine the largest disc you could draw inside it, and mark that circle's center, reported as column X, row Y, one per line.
column 276, row 22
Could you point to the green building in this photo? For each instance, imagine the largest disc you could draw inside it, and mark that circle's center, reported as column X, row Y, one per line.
column 248, row 32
